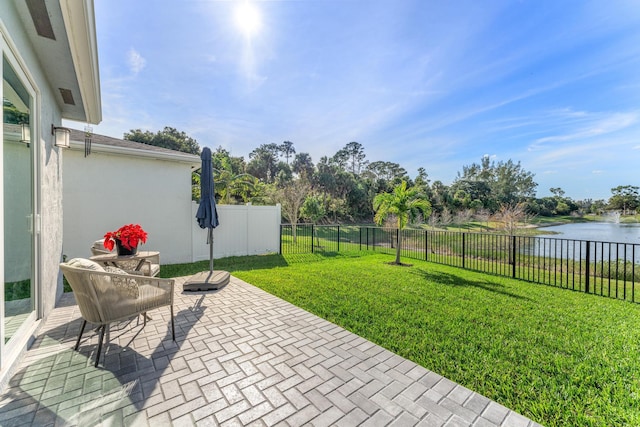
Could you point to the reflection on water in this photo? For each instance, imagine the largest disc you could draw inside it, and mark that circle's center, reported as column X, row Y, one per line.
column 599, row 231
column 600, row 241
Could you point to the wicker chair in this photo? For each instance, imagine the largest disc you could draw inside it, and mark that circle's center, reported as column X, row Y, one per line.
column 106, row 297
column 150, row 268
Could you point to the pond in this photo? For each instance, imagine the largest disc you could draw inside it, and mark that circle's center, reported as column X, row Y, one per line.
column 609, row 241
column 598, row 231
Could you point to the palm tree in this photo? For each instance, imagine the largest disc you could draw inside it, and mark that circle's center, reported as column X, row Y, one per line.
column 405, row 204
column 287, row 149
column 229, row 184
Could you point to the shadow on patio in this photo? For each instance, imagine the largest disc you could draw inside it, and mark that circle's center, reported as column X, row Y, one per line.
column 64, row 388
column 241, row 356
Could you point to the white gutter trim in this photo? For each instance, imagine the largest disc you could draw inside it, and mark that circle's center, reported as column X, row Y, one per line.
column 80, row 24
column 134, row 152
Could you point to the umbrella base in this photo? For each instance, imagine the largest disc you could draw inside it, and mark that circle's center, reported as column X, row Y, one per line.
column 207, row 281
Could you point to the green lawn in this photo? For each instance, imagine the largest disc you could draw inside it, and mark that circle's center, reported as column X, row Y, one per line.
column 556, row 356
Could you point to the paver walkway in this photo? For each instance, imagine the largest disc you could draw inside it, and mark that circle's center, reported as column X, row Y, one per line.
column 241, row 357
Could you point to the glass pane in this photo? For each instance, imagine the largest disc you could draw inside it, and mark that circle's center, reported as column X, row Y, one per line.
column 18, row 202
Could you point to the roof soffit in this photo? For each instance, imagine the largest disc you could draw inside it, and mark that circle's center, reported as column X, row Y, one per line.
column 69, row 58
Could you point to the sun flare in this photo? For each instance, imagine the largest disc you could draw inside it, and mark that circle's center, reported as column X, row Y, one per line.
column 247, row 18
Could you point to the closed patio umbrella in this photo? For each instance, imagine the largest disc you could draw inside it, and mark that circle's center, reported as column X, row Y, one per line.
column 207, row 217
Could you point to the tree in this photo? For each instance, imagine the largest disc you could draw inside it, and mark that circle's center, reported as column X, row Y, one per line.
column 463, row 216
column 510, row 216
column 355, row 153
column 287, row 149
column 440, row 197
column 387, row 171
column 284, row 174
column 446, row 217
column 557, row 192
column 291, row 197
column 221, row 157
column 302, row 165
column 422, row 180
column 167, row 138
column 405, row 204
column 496, row 183
column 263, row 162
column 434, row 220
column 313, row 210
column 230, row 185
column 483, row 216
column 624, row 197
column 12, row 115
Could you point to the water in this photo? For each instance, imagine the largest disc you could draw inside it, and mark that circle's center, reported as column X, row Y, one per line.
column 624, row 238
column 598, row 231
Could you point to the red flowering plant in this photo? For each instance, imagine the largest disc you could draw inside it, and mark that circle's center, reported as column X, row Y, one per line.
column 129, row 235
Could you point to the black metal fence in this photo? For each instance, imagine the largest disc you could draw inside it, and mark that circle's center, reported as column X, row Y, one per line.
column 602, row 268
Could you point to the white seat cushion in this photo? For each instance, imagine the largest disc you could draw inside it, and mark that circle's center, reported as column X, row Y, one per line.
column 87, row 264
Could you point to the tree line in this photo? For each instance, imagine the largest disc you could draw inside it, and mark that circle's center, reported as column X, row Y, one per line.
column 342, row 187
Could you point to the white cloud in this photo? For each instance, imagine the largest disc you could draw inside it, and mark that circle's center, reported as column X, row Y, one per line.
column 598, row 124
column 136, row 61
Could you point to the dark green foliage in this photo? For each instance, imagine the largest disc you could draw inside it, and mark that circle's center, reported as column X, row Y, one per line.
column 12, row 115
column 625, row 197
column 167, row 138
column 17, row 290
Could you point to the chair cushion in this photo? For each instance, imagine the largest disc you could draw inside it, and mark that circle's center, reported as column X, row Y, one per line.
column 127, row 287
column 151, row 269
column 87, row 264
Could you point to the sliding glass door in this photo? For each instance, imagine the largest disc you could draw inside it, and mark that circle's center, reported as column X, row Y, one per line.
column 18, row 154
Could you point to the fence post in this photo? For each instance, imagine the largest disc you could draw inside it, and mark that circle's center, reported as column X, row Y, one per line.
column 463, row 249
column 587, row 263
column 373, row 244
column 281, row 230
column 513, row 256
column 367, row 238
column 426, row 245
column 313, row 235
column 338, row 238
column 360, row 239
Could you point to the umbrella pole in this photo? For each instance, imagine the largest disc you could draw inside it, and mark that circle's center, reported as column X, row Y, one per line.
column 210, row 250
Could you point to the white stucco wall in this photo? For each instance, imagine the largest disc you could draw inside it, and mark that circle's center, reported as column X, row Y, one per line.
column 104, row 191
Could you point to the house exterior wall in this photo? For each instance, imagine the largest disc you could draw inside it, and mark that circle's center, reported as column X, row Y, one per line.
column 105, row 191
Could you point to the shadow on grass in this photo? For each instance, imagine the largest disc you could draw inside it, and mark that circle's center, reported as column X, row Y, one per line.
column 230, row 264
column 448, row 279
column 253, row 262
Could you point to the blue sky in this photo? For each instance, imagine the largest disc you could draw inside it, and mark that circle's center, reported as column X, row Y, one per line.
column 433, row 84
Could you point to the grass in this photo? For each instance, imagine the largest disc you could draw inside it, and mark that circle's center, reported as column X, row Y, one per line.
column 558, row 357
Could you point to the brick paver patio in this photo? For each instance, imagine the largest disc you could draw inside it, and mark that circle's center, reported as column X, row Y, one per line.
column 241, row 357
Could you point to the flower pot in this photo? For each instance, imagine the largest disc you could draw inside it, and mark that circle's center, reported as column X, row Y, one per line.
column 121, row 250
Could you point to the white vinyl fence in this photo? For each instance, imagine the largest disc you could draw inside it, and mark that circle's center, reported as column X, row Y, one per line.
column 243, row 230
